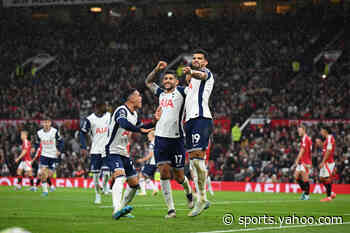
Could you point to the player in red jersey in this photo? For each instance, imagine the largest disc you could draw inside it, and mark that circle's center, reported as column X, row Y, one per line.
column 25, row 166
column 327, row 164
column 303, row 163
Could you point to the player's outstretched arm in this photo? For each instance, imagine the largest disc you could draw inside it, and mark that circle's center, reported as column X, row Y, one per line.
column 151, row 77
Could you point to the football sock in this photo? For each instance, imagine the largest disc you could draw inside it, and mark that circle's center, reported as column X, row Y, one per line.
column 117, row 191
column 167, row 193
column 143, row 185
column 31, row 180
column 186, row 185
column 307, row 188
column 151, row 184
column 44, row 186
column 19, row 179
column 129, row 194
column 95, row 178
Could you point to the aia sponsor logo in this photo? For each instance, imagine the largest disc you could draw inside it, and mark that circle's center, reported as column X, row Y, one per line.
column 101, row 130
column 47, row 142
column 164, row 103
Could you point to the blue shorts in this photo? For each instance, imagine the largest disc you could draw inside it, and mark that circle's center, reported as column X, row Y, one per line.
column 148, row 170
column 198, row 131
column 50, row 163
column 119, row 162
column 97, row 162
column 170, row 150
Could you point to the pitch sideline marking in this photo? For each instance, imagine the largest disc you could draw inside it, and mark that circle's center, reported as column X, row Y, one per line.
column 272, row 228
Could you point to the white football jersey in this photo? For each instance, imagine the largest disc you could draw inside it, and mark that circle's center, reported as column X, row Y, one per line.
column 117, row 138
column 48, row 141
column 98, row 129
column 170, row 124
column 197, row 98
column 152, row 160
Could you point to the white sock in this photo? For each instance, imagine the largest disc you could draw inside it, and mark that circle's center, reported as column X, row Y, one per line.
column 95, row 178
column 186, row 186
column 129, row 194
column 105, row 177
column 142, row 185
column 153, row 186
column 117, row 192
column 210, row 188
column 168, row 196
column 44, row 186
column 195, row 178
column 202, row 177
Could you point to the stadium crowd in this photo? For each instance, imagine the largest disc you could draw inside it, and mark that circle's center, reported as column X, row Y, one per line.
column 250, row 61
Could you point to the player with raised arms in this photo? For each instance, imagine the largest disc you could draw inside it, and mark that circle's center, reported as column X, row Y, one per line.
column 169, row 146
column 96, row 125
column 50, row 145
column 123, row 121
column 198, row 122
column 303, row 163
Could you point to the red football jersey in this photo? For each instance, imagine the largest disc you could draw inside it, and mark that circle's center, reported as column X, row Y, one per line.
column 306, row 144
column 329, row 145
column 26, row 145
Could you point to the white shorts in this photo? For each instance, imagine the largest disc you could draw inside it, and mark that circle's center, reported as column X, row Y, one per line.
column 25, row 165
column 327, row 170
column 303, row 167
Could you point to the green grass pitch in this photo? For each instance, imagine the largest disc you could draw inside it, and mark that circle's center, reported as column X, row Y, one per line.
column 72, row 210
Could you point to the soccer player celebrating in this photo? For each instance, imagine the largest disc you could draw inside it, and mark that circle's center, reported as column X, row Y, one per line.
column 124, row 120
column 25, row 166
column 303, row 163
column 50, row 147
column 96, row 125
column 327, row 164
column 148, row 170
column 199, row 123
column 169, row 146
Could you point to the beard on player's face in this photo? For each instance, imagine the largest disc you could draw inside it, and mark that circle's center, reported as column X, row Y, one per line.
column 169, row 86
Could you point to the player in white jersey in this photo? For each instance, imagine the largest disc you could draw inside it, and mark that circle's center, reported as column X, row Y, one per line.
column 51, row 146
column 96, row 125
column 123, row 121
column 169, row 147
column 198, row 122
column 147, row 173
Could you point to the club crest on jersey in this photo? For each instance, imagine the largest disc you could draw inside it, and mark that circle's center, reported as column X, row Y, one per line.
column 166, row 103
column 101, row 130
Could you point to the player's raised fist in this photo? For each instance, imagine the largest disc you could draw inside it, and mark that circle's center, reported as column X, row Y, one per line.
column 161, row 65
column 187, row 70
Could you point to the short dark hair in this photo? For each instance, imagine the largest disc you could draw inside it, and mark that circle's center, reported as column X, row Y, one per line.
column 201, row 51
column 126, row 94
column 99, row 102
column 325, row 127
column 173, row 72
